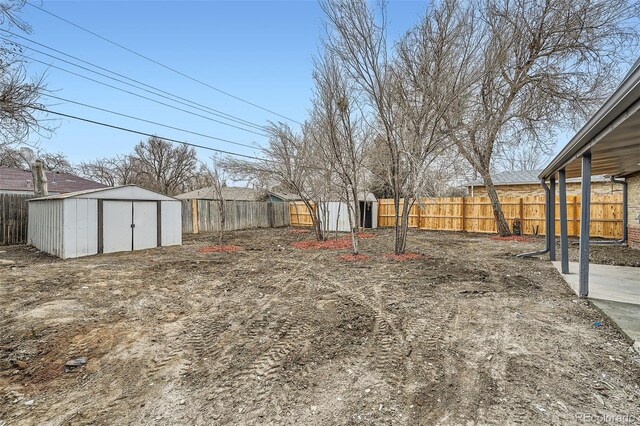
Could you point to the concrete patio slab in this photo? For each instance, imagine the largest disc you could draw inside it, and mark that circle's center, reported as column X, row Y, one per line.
column 606, row 282
column 615, row 290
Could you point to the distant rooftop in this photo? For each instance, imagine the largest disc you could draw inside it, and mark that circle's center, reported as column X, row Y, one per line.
column 524, row 177
column 13, row 179
column 229, row 193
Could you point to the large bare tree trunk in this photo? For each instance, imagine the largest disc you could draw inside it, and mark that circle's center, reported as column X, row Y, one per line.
column 502, row 226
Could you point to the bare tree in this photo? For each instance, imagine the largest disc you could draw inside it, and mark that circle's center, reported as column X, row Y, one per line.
column 290, row 161
column 521, row 156
column 218, row 182
column 544, row 65
column 162, row 166
column 119, row 170
column 408, row 93
column 339, row 136
column 55, row 161
column 10, row 157
column 19, row 93
column 51, row 161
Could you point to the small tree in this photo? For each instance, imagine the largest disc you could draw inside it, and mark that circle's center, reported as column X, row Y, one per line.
column 408, row 93
column 218, row 182
column 290, row 160
column 339, row 136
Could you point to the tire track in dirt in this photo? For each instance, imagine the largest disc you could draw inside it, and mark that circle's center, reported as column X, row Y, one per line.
column 390, row 347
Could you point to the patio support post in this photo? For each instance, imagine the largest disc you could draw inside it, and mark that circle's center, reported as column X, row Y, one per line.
column 546, row 221
column 585, row 219
column 551, row 225
column 564, row 240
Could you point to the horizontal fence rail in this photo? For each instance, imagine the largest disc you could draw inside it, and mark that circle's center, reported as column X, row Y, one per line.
column 204, row 216
column 13, row 218
column 475, row 214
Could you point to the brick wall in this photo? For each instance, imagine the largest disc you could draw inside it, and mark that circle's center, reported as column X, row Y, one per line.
column 573, row 188
column 634, row 209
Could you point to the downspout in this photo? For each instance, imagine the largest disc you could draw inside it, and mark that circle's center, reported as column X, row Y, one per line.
column 547, row 214
column 625, row 216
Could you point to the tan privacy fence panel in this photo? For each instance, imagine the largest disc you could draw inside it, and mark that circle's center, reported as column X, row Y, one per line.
column 299, row 214
column 475, row 214
column 203, row 215
column 13, row 218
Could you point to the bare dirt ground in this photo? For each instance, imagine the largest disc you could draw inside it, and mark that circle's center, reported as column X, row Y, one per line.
column 271, row 334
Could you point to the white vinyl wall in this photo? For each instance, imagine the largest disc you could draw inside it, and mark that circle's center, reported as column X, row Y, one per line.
column 104, row 221
column 336, row 215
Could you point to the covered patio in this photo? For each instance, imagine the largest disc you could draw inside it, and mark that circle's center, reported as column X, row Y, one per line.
column 608, row 144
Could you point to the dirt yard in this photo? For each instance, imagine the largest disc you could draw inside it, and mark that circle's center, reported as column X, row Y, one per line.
column 272, row 334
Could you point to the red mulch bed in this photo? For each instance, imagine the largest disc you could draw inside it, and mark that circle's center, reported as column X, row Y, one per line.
column 299, row 231
column 329, row 244
column 404, row 256
column 219, row 249
column 353, row 257
column 511, row 238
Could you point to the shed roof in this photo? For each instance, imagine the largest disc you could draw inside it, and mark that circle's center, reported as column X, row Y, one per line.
column 124, row 192
column 229, row 193
column 524, row 177
column 14, row 179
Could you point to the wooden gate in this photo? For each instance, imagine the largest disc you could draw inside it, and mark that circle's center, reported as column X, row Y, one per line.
column 13, row 218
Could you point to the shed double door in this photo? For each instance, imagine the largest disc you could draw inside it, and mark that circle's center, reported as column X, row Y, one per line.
column 129, row 225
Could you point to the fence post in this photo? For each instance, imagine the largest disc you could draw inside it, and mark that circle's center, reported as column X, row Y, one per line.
column 575, row 215
column 194, row 215
column 419, row 208
column 464, row 214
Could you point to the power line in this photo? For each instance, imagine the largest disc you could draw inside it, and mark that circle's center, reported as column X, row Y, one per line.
column 213, row 110
column 136, row 94
column 161, row 64
column 151, row 122
column 137, row 132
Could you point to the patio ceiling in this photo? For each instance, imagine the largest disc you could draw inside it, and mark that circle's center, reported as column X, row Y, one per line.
column 612, row 136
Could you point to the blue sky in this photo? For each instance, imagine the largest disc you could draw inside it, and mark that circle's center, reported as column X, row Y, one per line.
column 257, row 50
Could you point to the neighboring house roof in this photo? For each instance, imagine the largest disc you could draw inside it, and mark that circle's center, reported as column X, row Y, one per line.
column 524, row 177
column 285, row 196
column 229, row 193
column 13, row 179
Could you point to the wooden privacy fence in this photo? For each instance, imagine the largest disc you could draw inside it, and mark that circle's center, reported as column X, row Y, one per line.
column 203, row 216
column 299, row 214
column 13, row 218
column 475, row 214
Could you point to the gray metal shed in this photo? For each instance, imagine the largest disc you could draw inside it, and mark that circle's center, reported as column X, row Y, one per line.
column 105, row 220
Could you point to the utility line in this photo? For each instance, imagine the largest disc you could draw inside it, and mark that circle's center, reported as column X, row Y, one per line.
column 161, row 64
column 213, row 110
column 151, row 122
column 137, row 94
column 137, row 132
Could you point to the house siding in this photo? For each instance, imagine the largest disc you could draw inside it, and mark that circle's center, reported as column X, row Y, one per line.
column 633, row 210
column 573, row 188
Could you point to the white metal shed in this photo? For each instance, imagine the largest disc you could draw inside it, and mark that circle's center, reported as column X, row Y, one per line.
column 107, row 220
column 335, row 213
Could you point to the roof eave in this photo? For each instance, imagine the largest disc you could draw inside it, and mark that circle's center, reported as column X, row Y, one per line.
column 614, row 107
